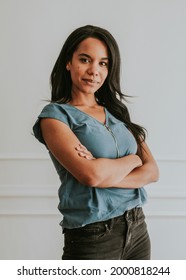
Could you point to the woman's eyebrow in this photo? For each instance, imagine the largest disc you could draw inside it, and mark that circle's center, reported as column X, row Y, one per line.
column 88, row 56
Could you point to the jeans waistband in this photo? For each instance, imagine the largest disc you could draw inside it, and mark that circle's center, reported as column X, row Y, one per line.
column 132, row 215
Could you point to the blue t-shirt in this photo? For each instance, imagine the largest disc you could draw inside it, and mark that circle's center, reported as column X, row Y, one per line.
column 80, row 204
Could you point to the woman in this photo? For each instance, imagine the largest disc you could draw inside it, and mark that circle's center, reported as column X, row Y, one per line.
column 101, row 156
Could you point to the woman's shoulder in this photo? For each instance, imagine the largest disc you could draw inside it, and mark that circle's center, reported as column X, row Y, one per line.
column 55, row 108
column 52, row 110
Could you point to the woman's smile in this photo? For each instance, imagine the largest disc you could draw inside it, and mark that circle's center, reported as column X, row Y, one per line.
column 89, row 66
column 90, row 82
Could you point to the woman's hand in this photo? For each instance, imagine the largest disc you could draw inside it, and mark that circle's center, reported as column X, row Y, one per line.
column 144, row 175
column 83, row 152
column 76, row 159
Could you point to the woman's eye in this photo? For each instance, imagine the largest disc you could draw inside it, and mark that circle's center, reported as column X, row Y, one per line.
column 84, row 60
column 103, row 63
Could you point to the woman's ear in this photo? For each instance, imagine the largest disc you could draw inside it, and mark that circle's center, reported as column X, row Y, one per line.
column 68, row 66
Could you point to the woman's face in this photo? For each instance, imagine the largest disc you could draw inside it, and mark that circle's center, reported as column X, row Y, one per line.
column 89, row 66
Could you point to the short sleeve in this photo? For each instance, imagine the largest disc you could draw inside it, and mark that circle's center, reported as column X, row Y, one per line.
column 53, row 111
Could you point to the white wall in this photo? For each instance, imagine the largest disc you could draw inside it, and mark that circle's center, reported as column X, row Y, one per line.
column 151, row 35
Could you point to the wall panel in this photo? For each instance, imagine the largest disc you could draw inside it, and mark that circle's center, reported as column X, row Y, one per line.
column 152, row 41
column 29, row 214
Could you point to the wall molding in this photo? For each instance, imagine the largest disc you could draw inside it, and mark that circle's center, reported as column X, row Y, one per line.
column 32, row 200
column 45, row 156
column 174, row 192
column 165, row 214
column 30, row 214
column 24, row 156
column 148, row 215
column 17, row 191
column 55, row 212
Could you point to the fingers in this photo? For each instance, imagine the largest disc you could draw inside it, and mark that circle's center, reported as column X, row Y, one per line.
column 85, row 156
column 83, row 152
column 80, row 147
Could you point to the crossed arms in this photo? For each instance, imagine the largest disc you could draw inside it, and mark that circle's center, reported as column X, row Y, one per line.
column 125, row 172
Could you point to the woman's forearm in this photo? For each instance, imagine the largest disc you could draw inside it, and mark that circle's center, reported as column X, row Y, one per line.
column 102, row 172
column 141, row 176
column 137, row 178
column 107, row 173
column 144, row 175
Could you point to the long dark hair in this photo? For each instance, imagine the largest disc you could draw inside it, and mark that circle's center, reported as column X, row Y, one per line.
column 109, row 95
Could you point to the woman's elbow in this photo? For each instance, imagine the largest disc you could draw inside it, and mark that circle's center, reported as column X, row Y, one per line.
column 90, row 179
column 155, row 173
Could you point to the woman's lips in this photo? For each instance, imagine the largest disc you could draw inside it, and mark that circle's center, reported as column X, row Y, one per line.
column 90, row 81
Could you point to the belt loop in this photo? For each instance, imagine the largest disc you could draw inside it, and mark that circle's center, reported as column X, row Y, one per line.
column 137, row 209
column 127, row 214
column 108, row 230
column 135, row 214
column 109, row 225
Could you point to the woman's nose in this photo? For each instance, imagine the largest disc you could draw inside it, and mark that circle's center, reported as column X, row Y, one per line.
column 93, row 70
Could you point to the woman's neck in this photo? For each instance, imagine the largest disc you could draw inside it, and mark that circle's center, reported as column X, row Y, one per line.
column 82, row 100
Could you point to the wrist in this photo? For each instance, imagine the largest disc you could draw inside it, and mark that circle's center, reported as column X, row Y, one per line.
column 137, row 160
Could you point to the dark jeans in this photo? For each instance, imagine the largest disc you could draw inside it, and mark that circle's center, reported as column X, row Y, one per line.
column 121, row 238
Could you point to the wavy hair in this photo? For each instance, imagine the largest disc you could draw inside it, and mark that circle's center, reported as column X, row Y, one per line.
column 109, row 95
